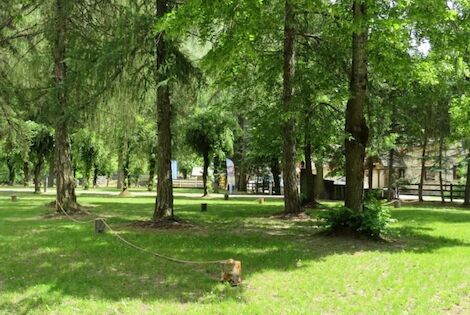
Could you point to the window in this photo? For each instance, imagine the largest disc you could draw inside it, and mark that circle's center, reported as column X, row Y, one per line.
column 401, row 173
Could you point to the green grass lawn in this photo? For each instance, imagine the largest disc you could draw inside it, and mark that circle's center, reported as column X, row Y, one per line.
column 54, row 266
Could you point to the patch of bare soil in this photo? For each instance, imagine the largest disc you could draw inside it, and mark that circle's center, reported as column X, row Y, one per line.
column 125, row 193
column 164, row 224
column 302, row 216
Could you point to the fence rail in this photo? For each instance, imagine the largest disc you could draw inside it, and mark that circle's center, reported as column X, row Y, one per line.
column 450, row 190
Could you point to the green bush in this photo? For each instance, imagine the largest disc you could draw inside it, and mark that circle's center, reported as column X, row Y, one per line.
column 373, row 221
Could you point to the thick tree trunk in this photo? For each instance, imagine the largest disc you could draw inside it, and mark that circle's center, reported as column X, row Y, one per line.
column 37, row 177
column 239, row 157
column 291, row 191
column 356, row 127
column 152, row 166
column 441, row 180
column 164, row 202
column 319, row 180
column 276, row 171
column 467, row 186
column 65, row 196
column 391, row 178
column 87, row 175
column 205, row 172
column 423, row 167
column 26, row 174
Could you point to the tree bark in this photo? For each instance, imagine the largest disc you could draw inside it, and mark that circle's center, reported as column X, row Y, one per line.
column 310, row 194
column 291, row 191
column 319, row 180
column 120, row 175
column 441, row 181
column 423, row 166
column 152, row 166
column 11, row 171
column 276, row 171
column 51, row 175
column 164, row 202
column 370, row 178
column 37, row 176
column 391, row 178
column 205, row 172
column 95, row 175
column 26, row 174
column 65, row 195
column 356, row 127
column 467, row 185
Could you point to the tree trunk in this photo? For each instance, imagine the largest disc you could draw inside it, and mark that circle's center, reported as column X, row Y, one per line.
column 356, row 127
column 370, row 178
column 467, row 185
column 216, row 187
column 120, row 174
column 239, row 157
column 423, row 167
column 11, row 171
column 391, row 178
column 205, row 172
column 310, row 194
column 291, row 191
column 164, row 202
column 51, row 176
column 37, row 177
column 87, row 175
column 95, row 175
column 319, row 180
column 25, row 174
column 276, row 171
column 152, row 166
column 65, row 196
column 441, row 181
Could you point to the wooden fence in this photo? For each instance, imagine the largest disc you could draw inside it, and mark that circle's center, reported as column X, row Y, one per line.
column 451, row 191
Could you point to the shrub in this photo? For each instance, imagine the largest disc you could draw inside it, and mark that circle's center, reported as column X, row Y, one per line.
column 374, row 221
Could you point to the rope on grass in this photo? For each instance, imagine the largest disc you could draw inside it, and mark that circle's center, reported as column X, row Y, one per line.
column 123, row 240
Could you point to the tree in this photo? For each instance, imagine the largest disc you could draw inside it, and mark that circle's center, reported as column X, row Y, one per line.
column 357, row 133
column 42, row 146
column 209, row 133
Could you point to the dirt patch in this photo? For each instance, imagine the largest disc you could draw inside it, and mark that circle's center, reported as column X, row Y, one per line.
column 298, row 217
column 125, row 193
column 164, row 224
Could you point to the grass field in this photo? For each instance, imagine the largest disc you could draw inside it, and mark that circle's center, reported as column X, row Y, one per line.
column 54, row 266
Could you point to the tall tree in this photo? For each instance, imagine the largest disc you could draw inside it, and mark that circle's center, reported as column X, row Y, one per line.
column 357, row 133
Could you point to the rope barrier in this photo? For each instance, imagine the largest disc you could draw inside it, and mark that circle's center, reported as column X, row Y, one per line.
column 120, row 238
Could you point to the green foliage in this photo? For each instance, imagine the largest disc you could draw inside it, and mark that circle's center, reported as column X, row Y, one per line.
column 373, row 221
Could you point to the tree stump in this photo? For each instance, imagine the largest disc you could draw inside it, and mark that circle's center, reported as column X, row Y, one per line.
column 226, row 197
column 100, row 227
column 14, row 198
column 396, row 203
column 232, row 272
column 203, row 207
column 261, row 201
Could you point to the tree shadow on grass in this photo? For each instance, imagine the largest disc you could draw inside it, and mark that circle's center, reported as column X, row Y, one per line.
column 70, row 260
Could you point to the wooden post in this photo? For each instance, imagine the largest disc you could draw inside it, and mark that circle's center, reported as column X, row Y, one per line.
column 232, row 272
column 226, row 196
column 203, row 207
column 14, row 198
column 261, row 200
column 451, row 192
column 99, row 226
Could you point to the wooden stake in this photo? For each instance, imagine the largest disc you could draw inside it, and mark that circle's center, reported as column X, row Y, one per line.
column 99, row 226
column 261, row 201
column 203, row 207
column 14, row 198
column 232, row 272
